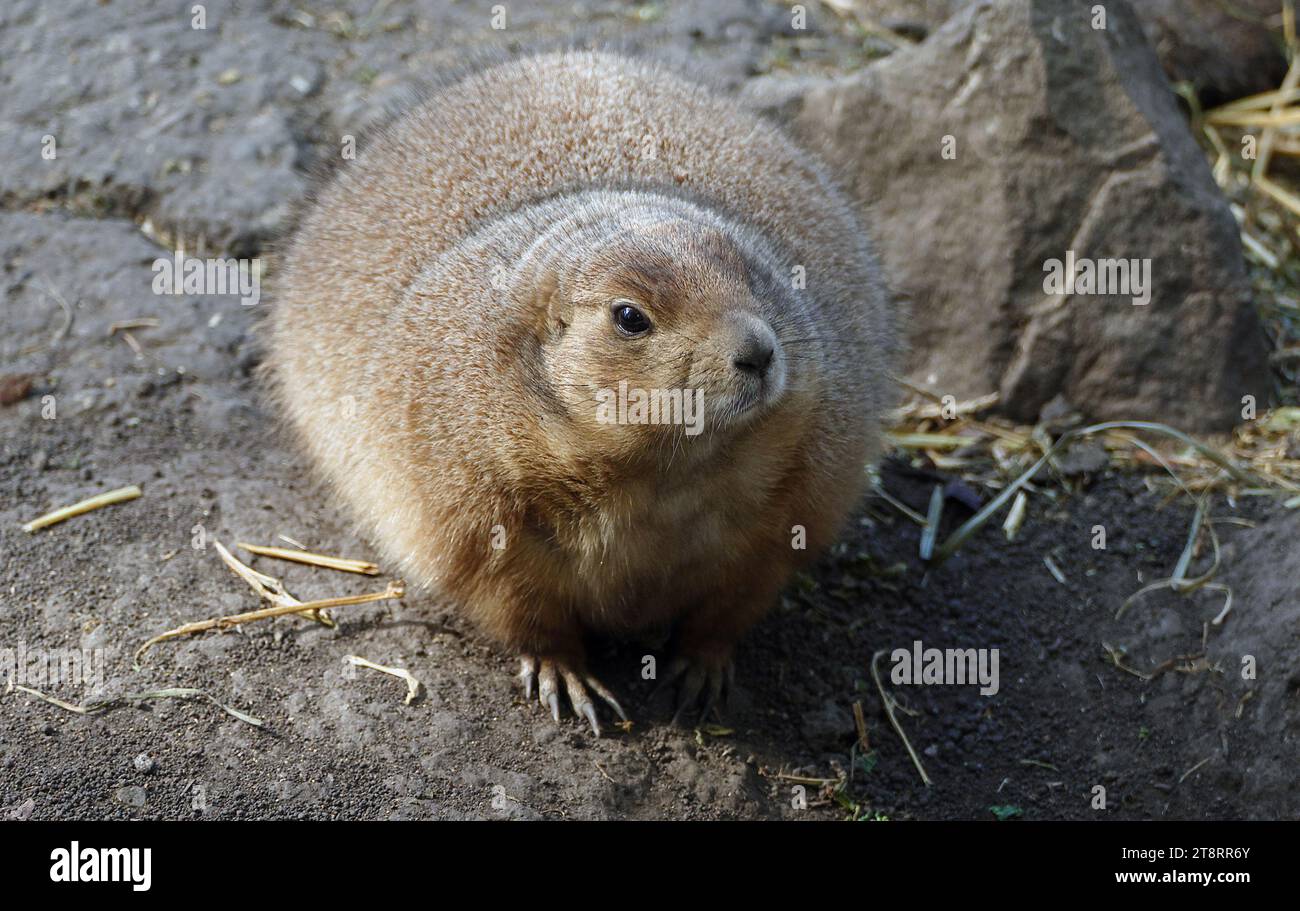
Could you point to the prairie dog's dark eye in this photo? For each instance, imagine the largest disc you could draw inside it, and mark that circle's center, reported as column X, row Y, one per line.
column 629, row 320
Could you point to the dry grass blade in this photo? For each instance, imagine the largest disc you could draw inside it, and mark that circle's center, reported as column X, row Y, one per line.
column 1179, row 580
column 932, row 519
column 1054, row 570
column 1169, row 584
column 927, row 440
column 977, row 521
column 937, row 409
column 1011, row 527
column 412, row 685
column 311, row 559
column 899, row 505
column 1260, row 102
column 1153, row 586
column 394, row 590
column 1246, row 137
column 1253, row 118
column 1115, row 655
column 121, row 495
column 1184, row 776
column 860, row 721
column 268, row 587
column 1227, row 602
column 1209, row 452
column 1279, row 195
column 888, row 701
column 143, row 322
column 104, row 705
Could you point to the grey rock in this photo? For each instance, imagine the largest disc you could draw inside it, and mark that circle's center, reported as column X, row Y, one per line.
column 22, row 812
column 131, row 796
column 1066, row 138
column 1224, row 50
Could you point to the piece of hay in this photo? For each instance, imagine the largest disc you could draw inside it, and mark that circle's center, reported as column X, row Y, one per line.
column 394, row 590
column 121, row 495
column 412, row 685
column 304, row 556
column 1054, row 569
column 143, row 322
column 934, row 515
column 860, row 721
column 930, row 410
column 1011, row 526
column 977, row 521
column 927, row 440
column 271, row 589
column 268, row 587
column 889, row 703
column 105, row 705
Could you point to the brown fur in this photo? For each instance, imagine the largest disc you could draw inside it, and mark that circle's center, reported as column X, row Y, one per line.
column 442, row 405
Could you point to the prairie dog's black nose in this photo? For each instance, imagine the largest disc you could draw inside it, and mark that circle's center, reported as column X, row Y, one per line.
column 755, row 354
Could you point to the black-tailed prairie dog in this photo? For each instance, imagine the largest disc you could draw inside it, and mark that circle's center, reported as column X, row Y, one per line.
column 587, row 348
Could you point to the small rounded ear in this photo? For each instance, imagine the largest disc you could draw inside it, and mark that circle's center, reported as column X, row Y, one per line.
column 556, row 301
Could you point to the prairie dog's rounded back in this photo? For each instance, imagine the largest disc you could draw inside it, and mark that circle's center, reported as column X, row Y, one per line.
column 541, row 126
column 415, row 389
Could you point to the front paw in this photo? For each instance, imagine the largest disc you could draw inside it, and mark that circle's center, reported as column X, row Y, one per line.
column 547, row 673
column 701, row 681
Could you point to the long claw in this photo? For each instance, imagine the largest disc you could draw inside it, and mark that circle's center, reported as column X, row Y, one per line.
column 548, row 689
column 549, row 675
column 603, row 692
column 578, row 698
column 690, row 691
column 711, row 701
column 528, row 674
column 590, row 711
column 675, row 670
column 709, row 682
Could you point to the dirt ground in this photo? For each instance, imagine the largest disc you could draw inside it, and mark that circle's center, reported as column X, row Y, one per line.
column 183, row 418
column 343, row 745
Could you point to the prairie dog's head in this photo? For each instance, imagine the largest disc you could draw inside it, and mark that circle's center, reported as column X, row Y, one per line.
column 668, row 328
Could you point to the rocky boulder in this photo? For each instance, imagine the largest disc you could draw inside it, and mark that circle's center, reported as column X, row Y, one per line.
column 1018, row 140
column 1224, row 50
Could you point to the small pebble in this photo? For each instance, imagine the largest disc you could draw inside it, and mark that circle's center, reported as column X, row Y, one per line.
column 132, row 796
column 144, row 763
column 305, row 84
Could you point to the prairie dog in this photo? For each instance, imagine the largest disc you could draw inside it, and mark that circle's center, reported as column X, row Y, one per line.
column 469, row 310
